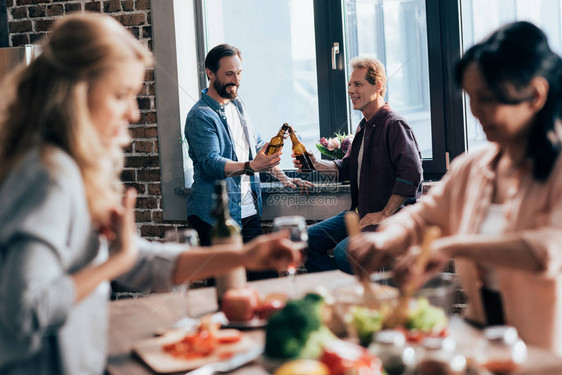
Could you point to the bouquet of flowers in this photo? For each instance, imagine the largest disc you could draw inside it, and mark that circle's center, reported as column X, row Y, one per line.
column 335, row 147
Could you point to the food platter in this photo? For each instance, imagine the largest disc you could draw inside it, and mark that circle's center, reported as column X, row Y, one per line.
column 151, row 352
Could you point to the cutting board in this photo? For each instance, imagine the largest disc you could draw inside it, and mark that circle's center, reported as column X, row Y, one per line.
column 150, row 351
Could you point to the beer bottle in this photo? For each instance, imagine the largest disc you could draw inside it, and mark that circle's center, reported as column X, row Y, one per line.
column 300, row 153
column 276, row 143
column 226, row 231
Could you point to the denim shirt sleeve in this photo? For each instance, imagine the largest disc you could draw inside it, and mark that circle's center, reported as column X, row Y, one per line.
column 203, row 140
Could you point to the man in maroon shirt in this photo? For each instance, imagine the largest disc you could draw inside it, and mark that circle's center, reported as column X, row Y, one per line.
column 383, row 165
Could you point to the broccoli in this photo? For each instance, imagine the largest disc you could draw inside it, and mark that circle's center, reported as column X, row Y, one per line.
column 288, row 331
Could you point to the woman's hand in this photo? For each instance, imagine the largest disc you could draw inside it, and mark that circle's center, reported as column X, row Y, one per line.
column 407, row 272
column 120, row 234
column 294, row 182
column 367, row 252
column 271, row 252
column 123, row 245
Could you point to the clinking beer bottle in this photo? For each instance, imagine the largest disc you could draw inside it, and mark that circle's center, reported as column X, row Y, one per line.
column 276, row 143
column 226, row 231
column 300, row 153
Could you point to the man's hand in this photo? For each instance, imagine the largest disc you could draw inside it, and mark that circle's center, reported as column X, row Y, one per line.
column 298, row 164
column 373, row 218
column 271, row 252
column 262, row 162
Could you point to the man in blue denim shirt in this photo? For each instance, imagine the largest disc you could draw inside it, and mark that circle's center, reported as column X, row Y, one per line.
column 223, row 145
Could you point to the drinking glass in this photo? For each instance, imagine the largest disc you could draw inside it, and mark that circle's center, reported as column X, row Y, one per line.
column 298, row 234
column 189, row 237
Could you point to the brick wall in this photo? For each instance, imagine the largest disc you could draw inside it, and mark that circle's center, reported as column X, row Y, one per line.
column 29, row 20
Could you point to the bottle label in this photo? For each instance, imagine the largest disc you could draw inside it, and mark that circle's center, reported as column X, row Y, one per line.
column 272, row 149
column 236, row 278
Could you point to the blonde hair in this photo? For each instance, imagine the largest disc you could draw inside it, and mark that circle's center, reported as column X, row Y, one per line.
column 48, row 103
column 375, row 71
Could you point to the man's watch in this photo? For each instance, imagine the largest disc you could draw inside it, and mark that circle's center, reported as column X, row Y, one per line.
column 247, row 169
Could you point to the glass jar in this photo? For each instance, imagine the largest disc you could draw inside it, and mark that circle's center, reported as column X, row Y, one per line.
column 439, row 358
column 501, row 351
column 390, row 346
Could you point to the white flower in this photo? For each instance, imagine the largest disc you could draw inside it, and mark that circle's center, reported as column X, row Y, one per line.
column 331, row 145
column 336, row 141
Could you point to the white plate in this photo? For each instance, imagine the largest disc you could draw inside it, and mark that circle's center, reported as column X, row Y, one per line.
column 247, row 324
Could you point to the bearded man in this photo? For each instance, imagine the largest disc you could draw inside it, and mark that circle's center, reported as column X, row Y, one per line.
column 223, row 145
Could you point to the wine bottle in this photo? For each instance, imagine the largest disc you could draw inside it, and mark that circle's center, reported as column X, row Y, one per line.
column 299, row 150
column 276, row 143
column 226, row 231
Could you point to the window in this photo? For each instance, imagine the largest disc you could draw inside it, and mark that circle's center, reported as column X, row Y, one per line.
column 481, row 17
column 294, row 74
column 279, row 80
column 395, row 32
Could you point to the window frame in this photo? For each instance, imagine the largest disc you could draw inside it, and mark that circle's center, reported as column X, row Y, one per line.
column 171, row 37
column 446, row 105
column 4, row 30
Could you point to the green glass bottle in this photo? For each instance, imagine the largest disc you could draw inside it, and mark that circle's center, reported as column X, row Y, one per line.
column 226, row 231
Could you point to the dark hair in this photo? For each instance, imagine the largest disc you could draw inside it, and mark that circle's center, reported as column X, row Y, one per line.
column 212, row 61
column 510, row 58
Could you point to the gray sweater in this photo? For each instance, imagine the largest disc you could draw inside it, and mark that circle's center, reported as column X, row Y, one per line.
column 45, row 236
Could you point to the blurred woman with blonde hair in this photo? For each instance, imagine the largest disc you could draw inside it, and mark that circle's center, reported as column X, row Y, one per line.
column 63, row 231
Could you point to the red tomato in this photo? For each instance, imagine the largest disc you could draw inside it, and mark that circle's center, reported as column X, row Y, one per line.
column 268, row 307
column 240, row 304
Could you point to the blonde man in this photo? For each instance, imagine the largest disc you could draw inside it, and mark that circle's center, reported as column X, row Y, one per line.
column 383, row 164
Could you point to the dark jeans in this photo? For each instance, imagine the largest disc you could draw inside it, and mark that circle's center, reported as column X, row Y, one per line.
column 251, row 228
column 329, row 234
column 322, row 237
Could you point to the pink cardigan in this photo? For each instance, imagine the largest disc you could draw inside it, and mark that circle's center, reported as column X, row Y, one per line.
column 459, row 203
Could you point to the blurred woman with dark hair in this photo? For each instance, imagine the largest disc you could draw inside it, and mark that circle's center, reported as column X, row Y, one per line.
column 500, row 208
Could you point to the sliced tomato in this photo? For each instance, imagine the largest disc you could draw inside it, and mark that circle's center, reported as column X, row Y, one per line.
column 342, row 357
column 199, row 344
column 228, row 336
column 225, row 355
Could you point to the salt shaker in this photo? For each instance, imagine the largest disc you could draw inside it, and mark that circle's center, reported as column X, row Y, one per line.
column 502, row 351
column 390, row 346
column 439, row 358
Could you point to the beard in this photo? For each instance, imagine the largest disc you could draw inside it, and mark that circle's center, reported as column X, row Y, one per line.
column 222, row 89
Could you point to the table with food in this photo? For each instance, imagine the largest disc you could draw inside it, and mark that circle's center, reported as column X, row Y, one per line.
column 329, row 326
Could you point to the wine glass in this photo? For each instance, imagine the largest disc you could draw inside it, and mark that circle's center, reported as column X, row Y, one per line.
column 298, row 234
column 189, row 237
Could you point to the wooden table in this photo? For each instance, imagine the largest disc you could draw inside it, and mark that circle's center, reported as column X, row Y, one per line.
column 133, row 320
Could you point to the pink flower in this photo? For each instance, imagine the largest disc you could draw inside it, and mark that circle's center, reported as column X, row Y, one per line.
column 324, row 142
column 331, row 146
column 336, row 142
